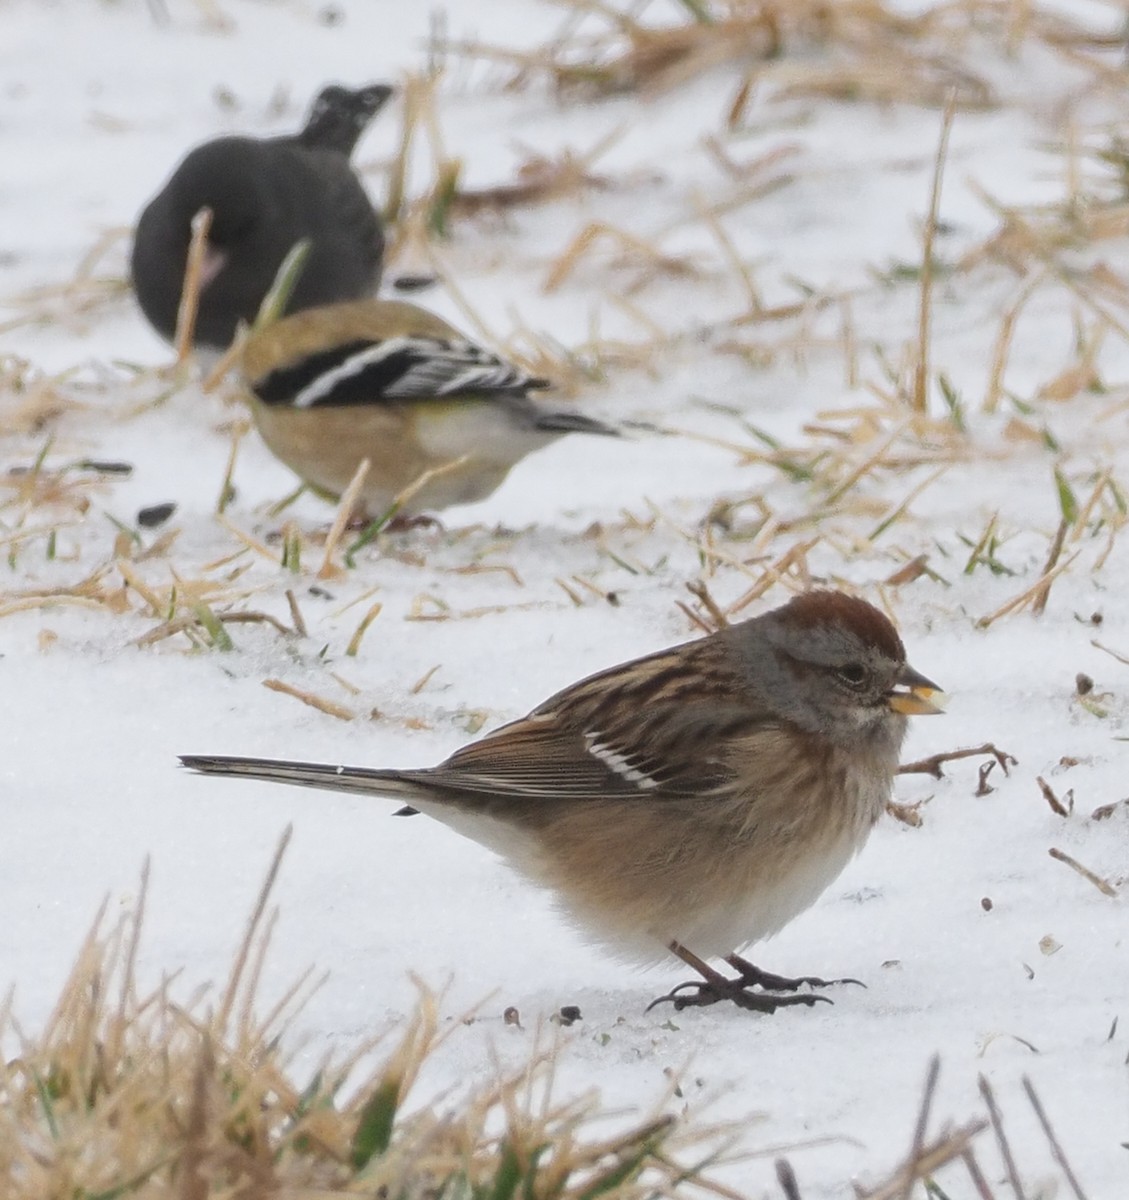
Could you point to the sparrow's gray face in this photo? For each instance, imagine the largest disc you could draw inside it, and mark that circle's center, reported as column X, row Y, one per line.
column 837, row 668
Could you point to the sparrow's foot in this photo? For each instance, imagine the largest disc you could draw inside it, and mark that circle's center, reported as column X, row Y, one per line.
column 405, row 522
column 700, row 993
column 753, row 976
column 753, row 989
column 401, row 523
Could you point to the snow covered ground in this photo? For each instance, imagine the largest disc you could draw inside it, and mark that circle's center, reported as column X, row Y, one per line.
column 974, row 942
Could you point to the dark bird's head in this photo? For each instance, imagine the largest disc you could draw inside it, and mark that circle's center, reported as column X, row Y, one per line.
column 340, row 115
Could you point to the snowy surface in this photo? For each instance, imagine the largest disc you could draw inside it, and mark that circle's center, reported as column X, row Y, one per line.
column 100, row 100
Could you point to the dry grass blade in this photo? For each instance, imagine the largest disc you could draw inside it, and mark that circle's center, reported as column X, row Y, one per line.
column 932, row 765
column 932, row 1157
column 696, row 619
column 1026, row 597
column 875, row 456
column 300, row 629
column 1044, row 245
column 69, row 488
column 922, row 1126
column 345, row 509
column 1053, row 802
column 203, row 619
column 633, row 249
column 786, row 1177
column 321, row 703
column 900, row 510
column 193, row 280
column 412, row 92
column 1104, row 886
column 401, row 498
column 354, row 645
column 539, row 180
column 913, row 570
column 1042, row 594
column 737, row 265
column 1052, row 1138
column 251, row 543
column 889, row 74
column 231, row 992
column 193, row 1162
column 996, row 1119
column 239, row 430
column 91, row 592
column 1004, row 339
column 791, row 565
column 983, row 1191
column 228, row 360
column 630, row 57
column 717, row 615
column 1121, row 658
column 132, row 579
column 919, row 400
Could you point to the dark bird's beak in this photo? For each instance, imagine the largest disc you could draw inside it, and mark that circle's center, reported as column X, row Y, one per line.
column 917, row 699
column 376, row 96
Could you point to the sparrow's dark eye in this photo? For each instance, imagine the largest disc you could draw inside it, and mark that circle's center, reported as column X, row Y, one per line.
column 853, row 673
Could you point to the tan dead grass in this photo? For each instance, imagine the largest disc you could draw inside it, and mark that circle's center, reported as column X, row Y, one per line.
column 132, row 1089
column 876, row 53
column 87, row 293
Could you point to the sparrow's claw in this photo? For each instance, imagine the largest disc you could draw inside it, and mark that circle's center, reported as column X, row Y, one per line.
column 406, row 522
column 753, row 976
column 400, row 523
column 707, row 991
column 672, row 995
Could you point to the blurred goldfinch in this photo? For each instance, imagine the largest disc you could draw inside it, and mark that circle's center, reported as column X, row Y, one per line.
column 388, row 381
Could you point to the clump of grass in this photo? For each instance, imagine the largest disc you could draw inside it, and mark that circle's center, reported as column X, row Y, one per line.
column 128, row 1092
column 92, row 289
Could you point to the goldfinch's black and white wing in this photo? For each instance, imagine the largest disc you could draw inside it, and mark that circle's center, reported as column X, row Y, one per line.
column 400, row 368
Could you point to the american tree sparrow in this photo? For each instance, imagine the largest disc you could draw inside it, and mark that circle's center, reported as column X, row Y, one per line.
column 692, row 801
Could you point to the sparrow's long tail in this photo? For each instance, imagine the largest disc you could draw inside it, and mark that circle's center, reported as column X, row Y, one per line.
column 313, row 775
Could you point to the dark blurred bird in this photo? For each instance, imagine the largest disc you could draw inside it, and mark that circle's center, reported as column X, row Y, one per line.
column 390, row 382
column 265, row 194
